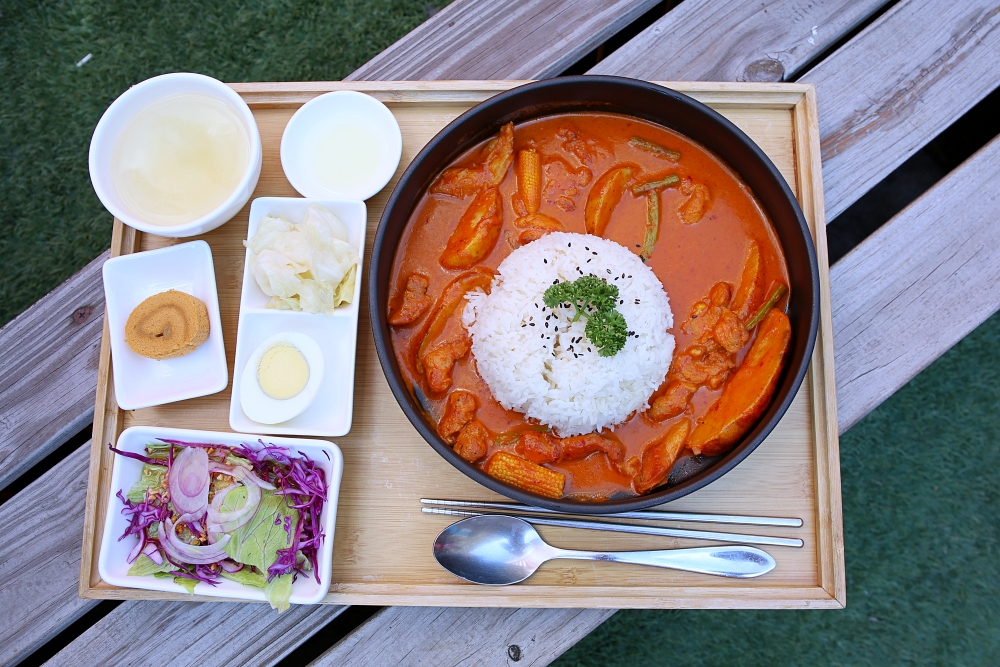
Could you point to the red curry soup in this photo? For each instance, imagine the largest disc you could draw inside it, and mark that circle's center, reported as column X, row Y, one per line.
column 655, row 219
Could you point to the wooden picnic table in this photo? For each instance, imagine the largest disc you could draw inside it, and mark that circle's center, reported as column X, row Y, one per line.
column 884, row 91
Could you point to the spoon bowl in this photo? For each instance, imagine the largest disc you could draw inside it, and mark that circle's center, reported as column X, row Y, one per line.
column 499, row 550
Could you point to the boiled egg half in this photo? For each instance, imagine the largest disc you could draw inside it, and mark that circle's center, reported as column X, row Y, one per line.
column 281, row 378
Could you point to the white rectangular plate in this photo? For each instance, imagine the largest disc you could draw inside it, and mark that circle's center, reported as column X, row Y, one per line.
column 141, row 382
column 337, row 335
column 112, row 561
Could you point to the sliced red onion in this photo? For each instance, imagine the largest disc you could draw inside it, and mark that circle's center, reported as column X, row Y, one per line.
column 188, row 480
column 231, row 566
column 139, row 548
column 189, row 553
column 242, row 474
column 153, row 553
column 227, row 522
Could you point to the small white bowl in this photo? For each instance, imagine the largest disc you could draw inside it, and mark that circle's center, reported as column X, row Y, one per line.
column 141, row 382
column 279, row 411
column 312, row 130
column 112, row 562
column 140, row 96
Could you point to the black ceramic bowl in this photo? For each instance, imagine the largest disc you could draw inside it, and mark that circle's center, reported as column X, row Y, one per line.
column 658, row 105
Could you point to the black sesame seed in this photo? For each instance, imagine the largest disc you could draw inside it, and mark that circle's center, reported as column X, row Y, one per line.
column 608, row 270
column 545, row 260
column 543, row 336
column 592, row 252
column 531, row 324
column 637, row 245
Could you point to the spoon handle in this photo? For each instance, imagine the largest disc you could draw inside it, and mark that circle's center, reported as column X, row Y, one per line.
column 723, row 561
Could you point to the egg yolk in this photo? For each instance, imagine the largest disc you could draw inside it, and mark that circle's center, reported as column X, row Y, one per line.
column 282, row 372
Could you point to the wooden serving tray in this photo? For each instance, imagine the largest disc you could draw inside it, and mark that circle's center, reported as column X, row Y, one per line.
column 382, row 548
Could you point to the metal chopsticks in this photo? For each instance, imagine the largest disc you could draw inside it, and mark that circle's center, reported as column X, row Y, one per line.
column 626, row 528
column 644, row 514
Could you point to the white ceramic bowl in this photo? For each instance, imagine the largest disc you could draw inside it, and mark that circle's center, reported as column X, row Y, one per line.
column 112, row 562
column 138, row 97
column 308, row 129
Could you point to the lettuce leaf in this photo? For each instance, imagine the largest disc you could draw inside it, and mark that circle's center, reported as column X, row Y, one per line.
column 278, row 591
column 257, row 542
column 186, row 583
column 144, row 566
column 247, row 577
column 151, row 478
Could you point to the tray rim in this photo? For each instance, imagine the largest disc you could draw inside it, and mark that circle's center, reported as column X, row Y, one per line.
column 800, row 100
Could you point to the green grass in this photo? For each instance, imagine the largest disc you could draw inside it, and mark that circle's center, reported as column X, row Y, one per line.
column 51, row 222
column 922, row 538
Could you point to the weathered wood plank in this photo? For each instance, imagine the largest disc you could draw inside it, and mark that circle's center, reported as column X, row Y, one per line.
column 419, row 636
column 48, row 374
column 195, row 634
column 40, row 558
column 519, row 39
column 706, row 40
column 897, row 85
column 881, row 294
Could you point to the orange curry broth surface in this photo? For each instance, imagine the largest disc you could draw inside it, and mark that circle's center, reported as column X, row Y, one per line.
column 688, row 259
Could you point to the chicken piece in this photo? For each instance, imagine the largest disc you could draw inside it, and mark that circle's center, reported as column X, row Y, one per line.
column 697, row 203
column 659, row 456
column 605, row 195
column 476, row 233
column 529, row 235
column 540, row 447
column 579, row 446
column 704, row 317
column 440, row 359
column 451, row 298
column 473, row 441
column 748, row 393
column 729, row 332
column 672, row 402
column 539, row 221
column 720, row 294
column 458, row 412
column 415, row 301
column 501, row 155
column 460, row 182
column 563, row 183
column 526, row 475
column 588, row 150
column 529, row 179
column 751, row 285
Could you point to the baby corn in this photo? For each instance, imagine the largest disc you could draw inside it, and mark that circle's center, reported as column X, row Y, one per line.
column 529, row 178
column 526, row 475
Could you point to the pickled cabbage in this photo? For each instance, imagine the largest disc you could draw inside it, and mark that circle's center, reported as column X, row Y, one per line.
column 309, row 266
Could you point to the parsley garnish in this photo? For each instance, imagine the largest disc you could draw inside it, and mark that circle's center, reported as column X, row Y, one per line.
column 595, row 298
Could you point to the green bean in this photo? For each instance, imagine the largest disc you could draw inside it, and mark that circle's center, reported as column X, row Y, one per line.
column 654, row 148
column 666, row 182
column 779, row 292
column 652, row 225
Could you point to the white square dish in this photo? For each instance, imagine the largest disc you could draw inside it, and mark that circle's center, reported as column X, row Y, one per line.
column 141, row 382
column 112, row 561
column 331, row 412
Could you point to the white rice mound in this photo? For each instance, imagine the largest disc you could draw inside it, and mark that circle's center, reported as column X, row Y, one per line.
column 527, row 355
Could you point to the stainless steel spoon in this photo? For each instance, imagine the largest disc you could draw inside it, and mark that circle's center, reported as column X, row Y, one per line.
column 499, row 550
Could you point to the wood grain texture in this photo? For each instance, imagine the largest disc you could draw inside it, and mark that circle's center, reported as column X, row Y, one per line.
column 516, row 39
column 40, row 558
column 899, row 83
column 205, row 634
column 707, row 40
column 881, row 296
column 49, row 371
column 388, row 467
column 404, row 636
